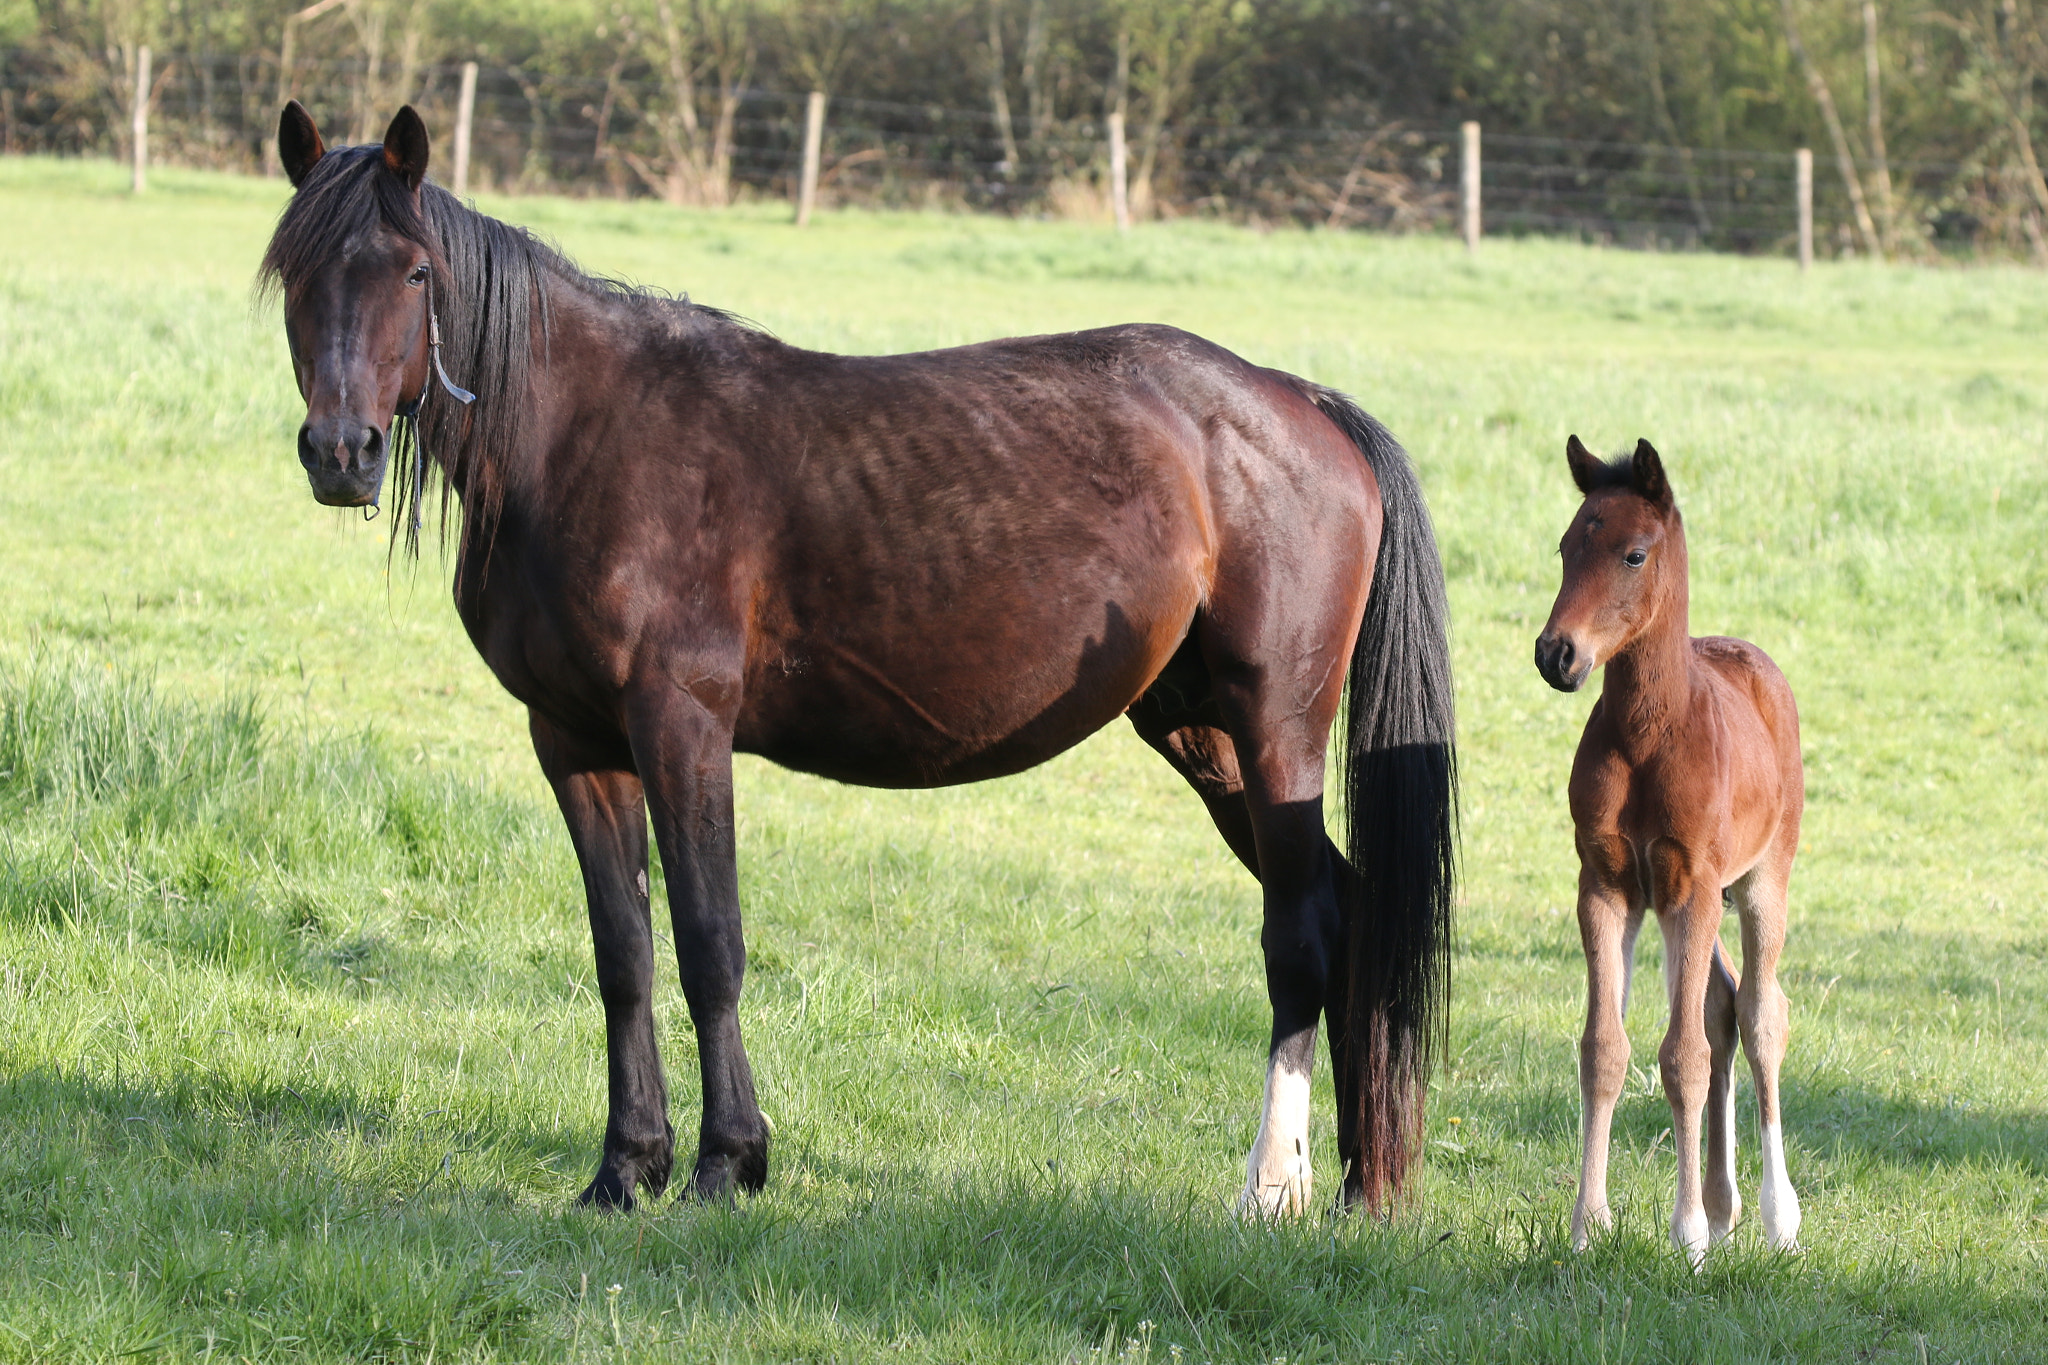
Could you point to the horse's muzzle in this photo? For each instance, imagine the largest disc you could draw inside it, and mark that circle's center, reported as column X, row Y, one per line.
column 344, row 461
column 1561, row 663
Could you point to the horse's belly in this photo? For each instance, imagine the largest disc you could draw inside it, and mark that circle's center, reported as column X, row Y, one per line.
column 967, row 698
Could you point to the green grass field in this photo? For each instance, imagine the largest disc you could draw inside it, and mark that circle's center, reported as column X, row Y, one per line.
column 299, row 1050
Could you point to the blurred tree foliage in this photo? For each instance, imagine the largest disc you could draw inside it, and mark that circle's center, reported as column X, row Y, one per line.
column 1957, row 79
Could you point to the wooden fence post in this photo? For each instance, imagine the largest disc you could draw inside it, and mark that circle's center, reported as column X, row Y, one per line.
column 139, row 128
column 1802, row 174
column 1119, row 172
column 465, row 114
column 814, row 139
column 1468, row 168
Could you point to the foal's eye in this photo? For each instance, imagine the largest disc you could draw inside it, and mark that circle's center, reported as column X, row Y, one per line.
column 1634, row 559
column 418, row 276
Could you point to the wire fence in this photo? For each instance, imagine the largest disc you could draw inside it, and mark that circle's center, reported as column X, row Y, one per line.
column 626, row 135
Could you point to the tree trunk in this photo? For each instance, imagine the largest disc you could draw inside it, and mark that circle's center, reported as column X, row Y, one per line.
column 1880, row 165
column 1038, row 101
column 369, row 26
column 1818, row 86
column 682, row 138
column 1654, row 61
column 732, row 80
column 998, row 91
column 409, row 53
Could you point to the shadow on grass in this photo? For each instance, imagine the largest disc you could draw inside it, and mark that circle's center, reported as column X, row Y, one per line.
column 226, row 1215
column 1885, row 1128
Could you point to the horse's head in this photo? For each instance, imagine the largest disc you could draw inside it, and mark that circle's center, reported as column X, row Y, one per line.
column 356, row 262
column 1624, row 554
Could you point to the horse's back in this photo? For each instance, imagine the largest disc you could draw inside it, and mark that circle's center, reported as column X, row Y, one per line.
column 1759, row 728
column 1755, row 678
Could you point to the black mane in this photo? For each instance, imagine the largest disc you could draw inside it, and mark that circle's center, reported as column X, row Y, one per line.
column 488, row 294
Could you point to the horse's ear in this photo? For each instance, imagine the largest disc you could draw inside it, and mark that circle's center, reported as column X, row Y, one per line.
column 405, row 147
column 1646, row 474
column 298, row 143
column 1586, row 467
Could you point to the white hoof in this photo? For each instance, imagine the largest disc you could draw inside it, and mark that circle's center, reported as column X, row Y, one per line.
column 1277, row 1186
column 1689, row 1235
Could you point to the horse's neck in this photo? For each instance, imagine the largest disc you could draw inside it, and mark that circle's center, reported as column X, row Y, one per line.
column 506, row 477
column 1649, row 684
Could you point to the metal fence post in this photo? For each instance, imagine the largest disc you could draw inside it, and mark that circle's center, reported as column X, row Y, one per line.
column 1469, row 186
column 465, row 114
column 139, row 128
column 814, row 138
column 1119, row 172
column 1802, row 164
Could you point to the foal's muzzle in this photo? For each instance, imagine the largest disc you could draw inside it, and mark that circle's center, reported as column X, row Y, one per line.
column 1561, row 662
column 344, row 461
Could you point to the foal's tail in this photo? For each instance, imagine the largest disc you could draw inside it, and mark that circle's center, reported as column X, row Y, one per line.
column 1401, row 792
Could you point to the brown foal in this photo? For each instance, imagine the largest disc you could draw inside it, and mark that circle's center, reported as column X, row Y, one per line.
column 1687, row 788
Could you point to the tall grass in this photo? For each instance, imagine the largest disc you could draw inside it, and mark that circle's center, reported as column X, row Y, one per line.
column 300, row 1055
column 192, row 825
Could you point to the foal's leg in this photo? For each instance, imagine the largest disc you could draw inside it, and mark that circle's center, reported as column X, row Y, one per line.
column 607, row 818
column 1724, row 1202
column 1607, row 930
column 684, row 754
column 1765, row 1018
column 1689, row 913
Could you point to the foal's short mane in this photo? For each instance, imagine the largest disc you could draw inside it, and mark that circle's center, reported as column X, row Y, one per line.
column 488, row 293
column 1618, row 472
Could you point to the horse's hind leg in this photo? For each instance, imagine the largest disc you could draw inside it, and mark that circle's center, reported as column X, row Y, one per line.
column 1765, row 1019
column 606, row 812
column 1181, row 718
column 1724, row 1203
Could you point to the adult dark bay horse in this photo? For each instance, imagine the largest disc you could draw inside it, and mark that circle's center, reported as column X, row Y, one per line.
column 681, row 538
column 1688, row 786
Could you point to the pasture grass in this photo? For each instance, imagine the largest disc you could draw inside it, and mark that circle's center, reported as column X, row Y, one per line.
column 299, row 1051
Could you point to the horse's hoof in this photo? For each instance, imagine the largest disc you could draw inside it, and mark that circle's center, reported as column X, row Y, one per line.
column 619, row 1179
column 723, row 1175
column 607, row 1194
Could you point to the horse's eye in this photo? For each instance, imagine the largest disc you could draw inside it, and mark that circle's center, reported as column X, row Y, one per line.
column 1635, row 558
column 418, row 276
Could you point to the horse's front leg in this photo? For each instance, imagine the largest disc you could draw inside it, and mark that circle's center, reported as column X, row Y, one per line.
column 1607, row 928
column 683, row 749
column 607, row 817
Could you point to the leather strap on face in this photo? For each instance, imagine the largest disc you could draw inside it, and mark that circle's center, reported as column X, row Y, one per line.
column 412, row 410
column 455, row 390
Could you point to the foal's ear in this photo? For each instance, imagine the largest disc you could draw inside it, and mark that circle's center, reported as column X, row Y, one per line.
column 1646, row 474
column 298, row 143
column 1587, row 468
column 405, row 147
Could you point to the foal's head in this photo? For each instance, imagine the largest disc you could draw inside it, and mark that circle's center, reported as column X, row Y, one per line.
column 353, row 257
column 1624, row 565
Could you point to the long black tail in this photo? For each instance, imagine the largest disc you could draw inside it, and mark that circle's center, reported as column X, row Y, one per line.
column 1401, row 790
